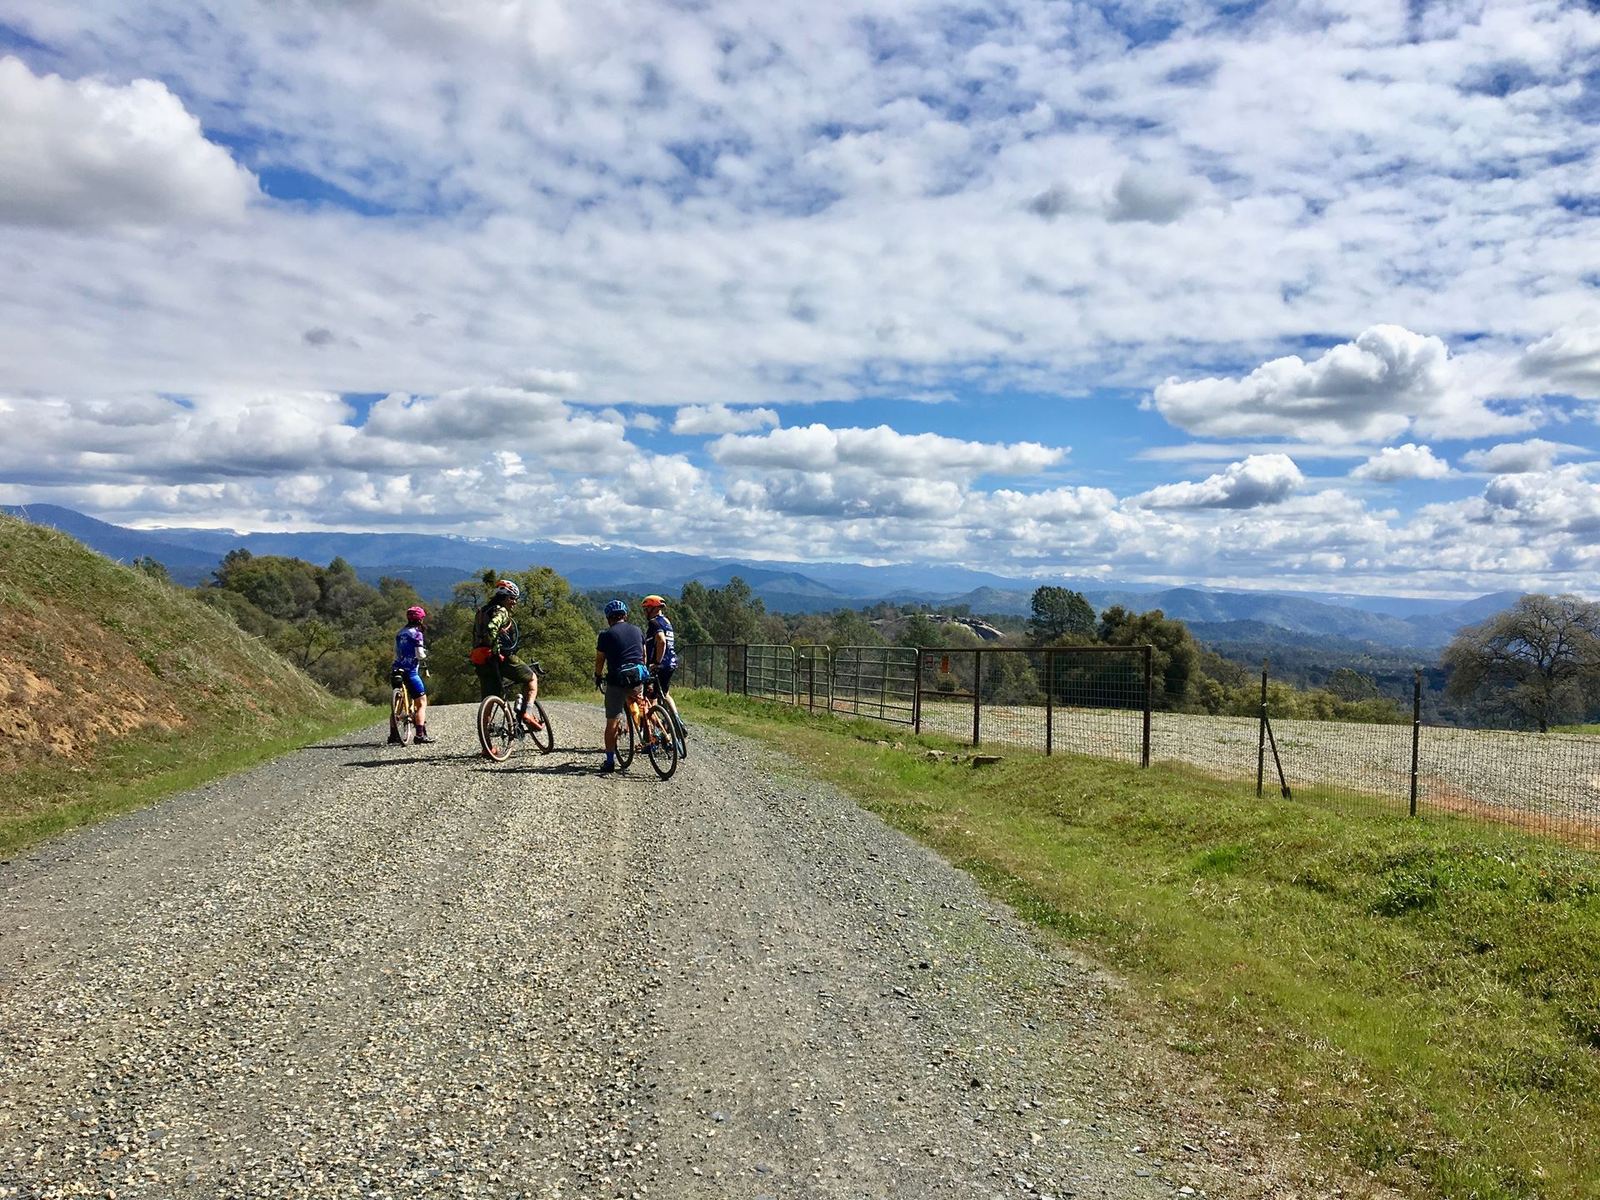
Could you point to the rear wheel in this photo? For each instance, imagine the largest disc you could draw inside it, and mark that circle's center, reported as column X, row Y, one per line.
column 496, row 728
column 543, row 738
column 400, row 715
column 625, row 741
column 660, row 743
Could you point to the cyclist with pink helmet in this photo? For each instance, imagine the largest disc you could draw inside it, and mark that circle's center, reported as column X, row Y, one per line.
column 409, row 655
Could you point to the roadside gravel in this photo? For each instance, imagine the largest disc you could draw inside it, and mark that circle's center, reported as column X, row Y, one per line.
column 377, row 971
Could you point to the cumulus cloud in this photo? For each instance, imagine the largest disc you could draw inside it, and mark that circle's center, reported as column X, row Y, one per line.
column 1259, row 480
column 1568, row 360
column 81, row 154
column 1386, row 381
column 1509, row 458
column 881, row 451
column 1394, row 463
column 1562, row 500
column 720, row 418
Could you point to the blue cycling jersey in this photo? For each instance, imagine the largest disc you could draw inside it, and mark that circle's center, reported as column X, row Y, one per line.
column 669, row 658
column 407, row 649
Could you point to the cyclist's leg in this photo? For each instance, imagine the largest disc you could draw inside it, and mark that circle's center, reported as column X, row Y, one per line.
column 664, row 691
column 524, row 674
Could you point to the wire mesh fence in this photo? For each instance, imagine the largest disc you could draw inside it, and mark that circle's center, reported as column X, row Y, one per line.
column 1100, row 701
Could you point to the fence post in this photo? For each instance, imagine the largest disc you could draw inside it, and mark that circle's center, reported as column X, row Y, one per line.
column 916, row 696
column 1049, row 700
column 744, row 670
column 977, row 692
column 1261, row 733
column 1149, row 681
column 1416, row 734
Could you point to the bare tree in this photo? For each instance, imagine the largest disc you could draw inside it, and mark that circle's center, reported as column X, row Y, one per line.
column 1539, row 661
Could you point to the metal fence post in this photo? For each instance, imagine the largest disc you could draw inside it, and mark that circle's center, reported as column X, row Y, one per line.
column 744, row 671
column 1261, row 733
column 977, row 692
column 1149, row 680
column 916, row 696
column 1049, row 700
column 1416, row 735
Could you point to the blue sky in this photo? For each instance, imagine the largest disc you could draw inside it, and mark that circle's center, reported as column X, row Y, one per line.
column 1299, row 295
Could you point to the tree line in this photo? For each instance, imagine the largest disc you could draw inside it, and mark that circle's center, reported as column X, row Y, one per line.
column 1536, row 665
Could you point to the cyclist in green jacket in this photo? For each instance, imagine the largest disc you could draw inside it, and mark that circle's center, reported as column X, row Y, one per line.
column 494, row 649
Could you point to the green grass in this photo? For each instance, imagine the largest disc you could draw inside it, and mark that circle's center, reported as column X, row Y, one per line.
column 46, row 799
column 1419, row 999
column 1575, row 729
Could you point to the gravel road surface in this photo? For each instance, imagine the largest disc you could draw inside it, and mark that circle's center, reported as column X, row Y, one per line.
column 367, row 970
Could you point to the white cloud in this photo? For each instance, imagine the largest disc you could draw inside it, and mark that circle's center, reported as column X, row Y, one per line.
column 1535, row 454
column 881, row 451
column 1386, row 381
column 81, row 154
column 1394, row 463
column 1258, row 480
column 720, row 418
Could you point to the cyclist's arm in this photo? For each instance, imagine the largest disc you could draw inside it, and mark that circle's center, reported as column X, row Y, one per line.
column 599, row 666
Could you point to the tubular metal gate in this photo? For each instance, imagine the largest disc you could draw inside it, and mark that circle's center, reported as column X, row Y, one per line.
column 814, row 677
column 876, row 681
column 718, row 665
column 769, row 672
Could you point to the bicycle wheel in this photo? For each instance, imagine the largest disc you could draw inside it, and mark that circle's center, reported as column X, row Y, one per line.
column 683, row 736
column 496, row 728
column 625, row 742
column 400, row 714
column 660, row 743
column 544, row 740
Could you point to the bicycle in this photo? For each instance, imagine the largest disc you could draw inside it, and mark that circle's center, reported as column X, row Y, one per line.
column 680, row 730
column 402, row 708
column 650, row 723
column 500, row 723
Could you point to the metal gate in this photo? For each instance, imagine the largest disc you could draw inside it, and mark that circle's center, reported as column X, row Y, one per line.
column 716, row 665
column 769, row 672
column 876, row 681
column 814, row 677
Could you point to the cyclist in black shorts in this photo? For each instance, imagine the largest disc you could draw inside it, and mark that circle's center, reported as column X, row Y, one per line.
column 661, row 651
column 494, row 650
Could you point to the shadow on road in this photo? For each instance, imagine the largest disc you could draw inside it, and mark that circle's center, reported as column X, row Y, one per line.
column 400, row 756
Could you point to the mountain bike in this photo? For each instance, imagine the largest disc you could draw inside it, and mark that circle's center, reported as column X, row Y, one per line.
column 402, row 708
column 678, row 727
column 649, row 724
column 500, row 723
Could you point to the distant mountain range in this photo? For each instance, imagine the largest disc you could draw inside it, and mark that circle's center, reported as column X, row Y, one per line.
column 433, row 564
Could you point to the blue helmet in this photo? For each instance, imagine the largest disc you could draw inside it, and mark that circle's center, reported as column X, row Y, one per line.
column 616, row 608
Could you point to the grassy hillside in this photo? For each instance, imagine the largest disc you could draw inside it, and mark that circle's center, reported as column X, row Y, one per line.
column 115, row 687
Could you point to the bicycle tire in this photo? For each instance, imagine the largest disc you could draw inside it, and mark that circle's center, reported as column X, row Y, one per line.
column 660, row 743
column 496, row 728
column 683, row 737
column 625, row 742
column 400, row 715
column 544, row 740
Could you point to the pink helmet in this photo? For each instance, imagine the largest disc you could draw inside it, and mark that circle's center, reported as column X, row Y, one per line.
column 416, row 613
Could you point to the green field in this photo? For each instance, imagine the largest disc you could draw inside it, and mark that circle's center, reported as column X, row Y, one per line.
column 1419, row 999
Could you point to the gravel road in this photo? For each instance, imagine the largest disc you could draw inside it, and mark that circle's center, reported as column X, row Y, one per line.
column 376, row 971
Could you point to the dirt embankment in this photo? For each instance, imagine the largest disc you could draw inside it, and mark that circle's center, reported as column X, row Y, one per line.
column 92, row 652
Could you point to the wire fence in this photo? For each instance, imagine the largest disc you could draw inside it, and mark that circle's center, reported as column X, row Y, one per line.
column 1101, row 701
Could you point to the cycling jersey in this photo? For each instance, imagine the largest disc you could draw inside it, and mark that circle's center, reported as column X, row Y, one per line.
column 669, row 657
column 408, row 650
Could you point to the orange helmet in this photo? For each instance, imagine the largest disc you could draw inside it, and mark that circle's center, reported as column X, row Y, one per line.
column 654, row 602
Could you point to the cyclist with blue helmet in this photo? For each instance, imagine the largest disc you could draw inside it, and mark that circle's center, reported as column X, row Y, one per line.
column 619, row 668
